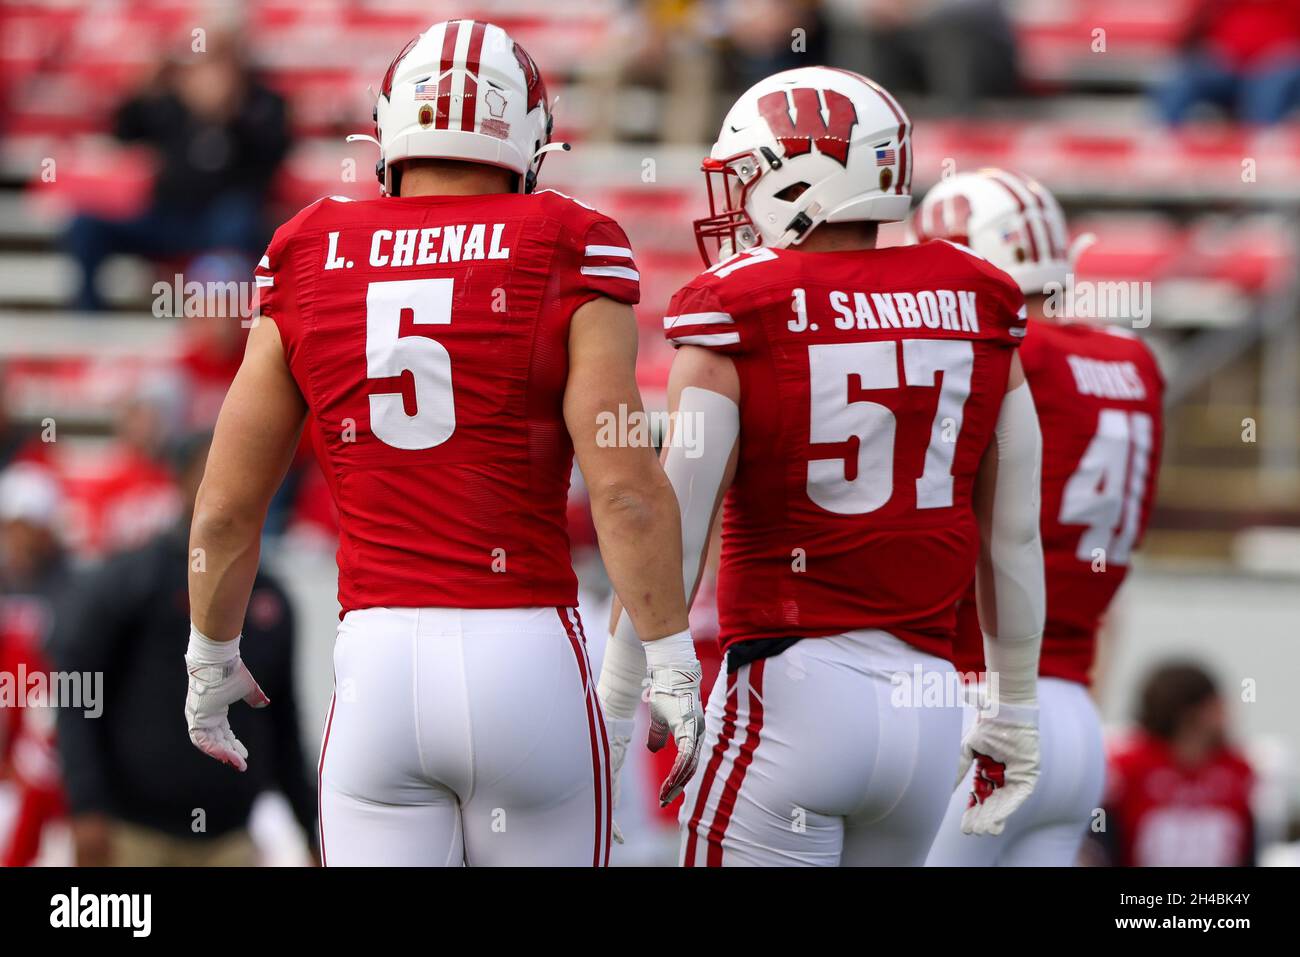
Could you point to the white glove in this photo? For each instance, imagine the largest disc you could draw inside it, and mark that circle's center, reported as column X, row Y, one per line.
column 1004, row 749
column 218, row 678
column 675, row 707
column 620, row 736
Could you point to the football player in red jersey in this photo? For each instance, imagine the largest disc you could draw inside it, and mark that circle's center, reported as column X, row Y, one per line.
column 861, row 416
column 1098, row 395
column 1178, row 792
column 456, row 342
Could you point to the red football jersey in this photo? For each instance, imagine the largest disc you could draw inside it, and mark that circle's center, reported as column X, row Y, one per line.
column 1098, row 393
column 429, row 336
column 1165, row 815
column 870, row 384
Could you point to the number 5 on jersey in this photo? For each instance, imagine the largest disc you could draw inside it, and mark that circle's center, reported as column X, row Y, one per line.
column 389, row 355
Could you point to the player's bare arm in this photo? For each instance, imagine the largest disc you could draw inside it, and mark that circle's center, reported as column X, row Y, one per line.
column 255, row 438
column 705, row 386
column 1010, row 595
column 632, row 504
column 638, row 528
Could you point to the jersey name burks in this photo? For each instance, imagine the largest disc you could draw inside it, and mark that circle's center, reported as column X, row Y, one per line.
column 1098, row 394
column 426, row 246
column 1107, row 380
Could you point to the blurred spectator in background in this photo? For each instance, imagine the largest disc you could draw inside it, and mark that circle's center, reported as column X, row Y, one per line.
column 33, row 581
column 18, row 442
column 1177, row 793
column 212, row 347
column 220, row 137
column 665, row 45
column 131, row 493
column 139, row 793
column 958, row 51
column 767, row 36
column 1240, row 55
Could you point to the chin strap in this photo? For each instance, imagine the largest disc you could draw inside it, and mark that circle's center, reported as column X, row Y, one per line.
column 529, row 180
column 379, row 165
column 549, row 147
column 799, row 227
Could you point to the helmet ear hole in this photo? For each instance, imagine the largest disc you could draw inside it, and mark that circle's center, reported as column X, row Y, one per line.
column 792, row 192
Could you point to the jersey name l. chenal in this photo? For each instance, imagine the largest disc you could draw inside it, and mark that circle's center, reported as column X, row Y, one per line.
column 870, row 385
column 1098, row 394
column 429, row 337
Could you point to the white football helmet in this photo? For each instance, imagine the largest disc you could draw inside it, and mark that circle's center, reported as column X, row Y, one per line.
column 1008, row 218
column 463, row 90
column 807, row 146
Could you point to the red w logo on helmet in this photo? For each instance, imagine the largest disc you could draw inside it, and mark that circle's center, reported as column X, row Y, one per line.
column 947, row 218
column 796, row 135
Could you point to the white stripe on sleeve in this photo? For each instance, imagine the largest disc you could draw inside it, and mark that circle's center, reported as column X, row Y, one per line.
column 697, row 319
column 621, row 251
column 614, row 272
column 711, row 339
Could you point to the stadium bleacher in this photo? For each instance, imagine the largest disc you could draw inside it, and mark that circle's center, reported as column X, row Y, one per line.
column 1216, row 239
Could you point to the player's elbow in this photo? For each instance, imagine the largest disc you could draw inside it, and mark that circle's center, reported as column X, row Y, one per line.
column 221, row 518
column 633, row 502
column 1015, row 532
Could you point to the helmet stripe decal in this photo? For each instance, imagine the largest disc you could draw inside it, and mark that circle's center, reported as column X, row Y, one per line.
column 469, row 103
column 456, row 103
column 450, row 30
column 1036, row 191
column 386, row 87
column 996, row 177
column 902, row 162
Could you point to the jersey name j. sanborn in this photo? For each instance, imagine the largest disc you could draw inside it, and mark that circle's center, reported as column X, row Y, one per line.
column 870, row 383
column 955, row 310
column 426, row 246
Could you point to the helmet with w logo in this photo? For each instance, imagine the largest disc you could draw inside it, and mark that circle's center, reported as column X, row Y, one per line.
column 463, row 90
column 804, row 147
column 1008, row 218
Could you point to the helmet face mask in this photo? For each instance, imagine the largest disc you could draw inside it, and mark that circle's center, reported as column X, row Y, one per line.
column 727, row 226
column 800, row 148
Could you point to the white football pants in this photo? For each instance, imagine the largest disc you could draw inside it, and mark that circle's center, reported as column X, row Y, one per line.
column 464, row 736
column 826, row 754
column 1047, row 830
